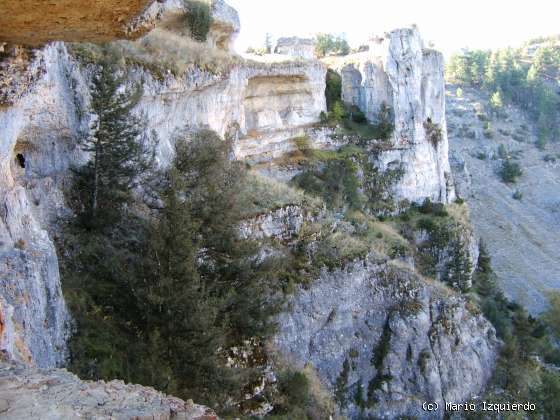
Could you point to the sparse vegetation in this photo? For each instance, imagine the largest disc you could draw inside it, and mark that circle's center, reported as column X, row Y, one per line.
column 434, row 133
column 330, row 44
column 160, row 52
column 510, row 171
column 199, row 19
column 340, row 392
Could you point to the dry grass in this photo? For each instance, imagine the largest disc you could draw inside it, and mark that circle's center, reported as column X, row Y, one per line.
column 161, row 52
column 264, row 194
column 176, row 53
column 460, row 213
column 381, row 237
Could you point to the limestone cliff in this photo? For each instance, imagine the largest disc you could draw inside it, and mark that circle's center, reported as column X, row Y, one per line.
column 260, row 105
column 379, row 331
column 399, row 72
column 436, row 347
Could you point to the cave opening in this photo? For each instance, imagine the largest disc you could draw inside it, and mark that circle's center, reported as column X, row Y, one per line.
column 20, row 159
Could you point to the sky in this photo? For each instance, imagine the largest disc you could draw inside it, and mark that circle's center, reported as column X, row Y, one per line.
column 450, row 25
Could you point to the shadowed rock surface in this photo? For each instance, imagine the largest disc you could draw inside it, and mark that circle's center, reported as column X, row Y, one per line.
column 35, row 22
column 405, row 340
column 57, row 394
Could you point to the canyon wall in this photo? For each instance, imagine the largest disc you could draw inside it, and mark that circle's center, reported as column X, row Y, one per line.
column 261, row 106
column 395, row 338
column 399, row 72
column 438, row 347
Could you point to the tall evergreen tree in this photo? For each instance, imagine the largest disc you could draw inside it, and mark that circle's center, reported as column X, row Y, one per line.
column 118, row 157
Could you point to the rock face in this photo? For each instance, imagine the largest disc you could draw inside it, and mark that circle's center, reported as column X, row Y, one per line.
column 224, row 28
column 397, row 339
column 37, row 144
column 399, row 72
column 56, row 394
column 434, row 348
column 283, row 223
column 296, row 47
column 260, row 106
column 35, row 22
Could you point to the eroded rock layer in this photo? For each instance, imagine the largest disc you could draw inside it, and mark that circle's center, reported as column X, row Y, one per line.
column 35, row 22
column 379, row 331
column 399, row 72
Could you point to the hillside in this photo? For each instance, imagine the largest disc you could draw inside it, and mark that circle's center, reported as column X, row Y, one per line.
column 522, row 234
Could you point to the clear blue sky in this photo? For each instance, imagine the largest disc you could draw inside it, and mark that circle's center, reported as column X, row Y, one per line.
column 450, row 24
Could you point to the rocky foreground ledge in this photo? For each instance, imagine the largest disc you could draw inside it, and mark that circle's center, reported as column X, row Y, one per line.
column 30, row 393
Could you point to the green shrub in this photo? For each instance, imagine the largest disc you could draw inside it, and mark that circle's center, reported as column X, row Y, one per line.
column 358, row 116
column 338, row 112
column 541, row 142
column 481, row 156
column 434, row 132
column 427, row 206
column 295, row 386
column 336, row 182
column 510, row 171
column 385, row 122
column 333, row 89
column 517, row 195
column 199, row 19
column 342, row 384
column 423, row 360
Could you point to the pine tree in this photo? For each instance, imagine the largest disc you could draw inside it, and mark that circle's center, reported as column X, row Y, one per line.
column 117, row 156
column 182, row 307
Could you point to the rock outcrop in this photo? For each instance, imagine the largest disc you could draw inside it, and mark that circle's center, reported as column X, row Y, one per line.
column 171, row 14
column 295, row 47
column 57, row 394
column 261, row 106
column 426, row 342
column 35, row 22
column 399, row 72
column 379, row 331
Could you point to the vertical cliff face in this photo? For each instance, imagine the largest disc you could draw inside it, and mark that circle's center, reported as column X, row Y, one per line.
column 380, row 332
column 262, row 106
column 46, row 111
column 404, row 338
column 399, row 72
column 37, row 141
